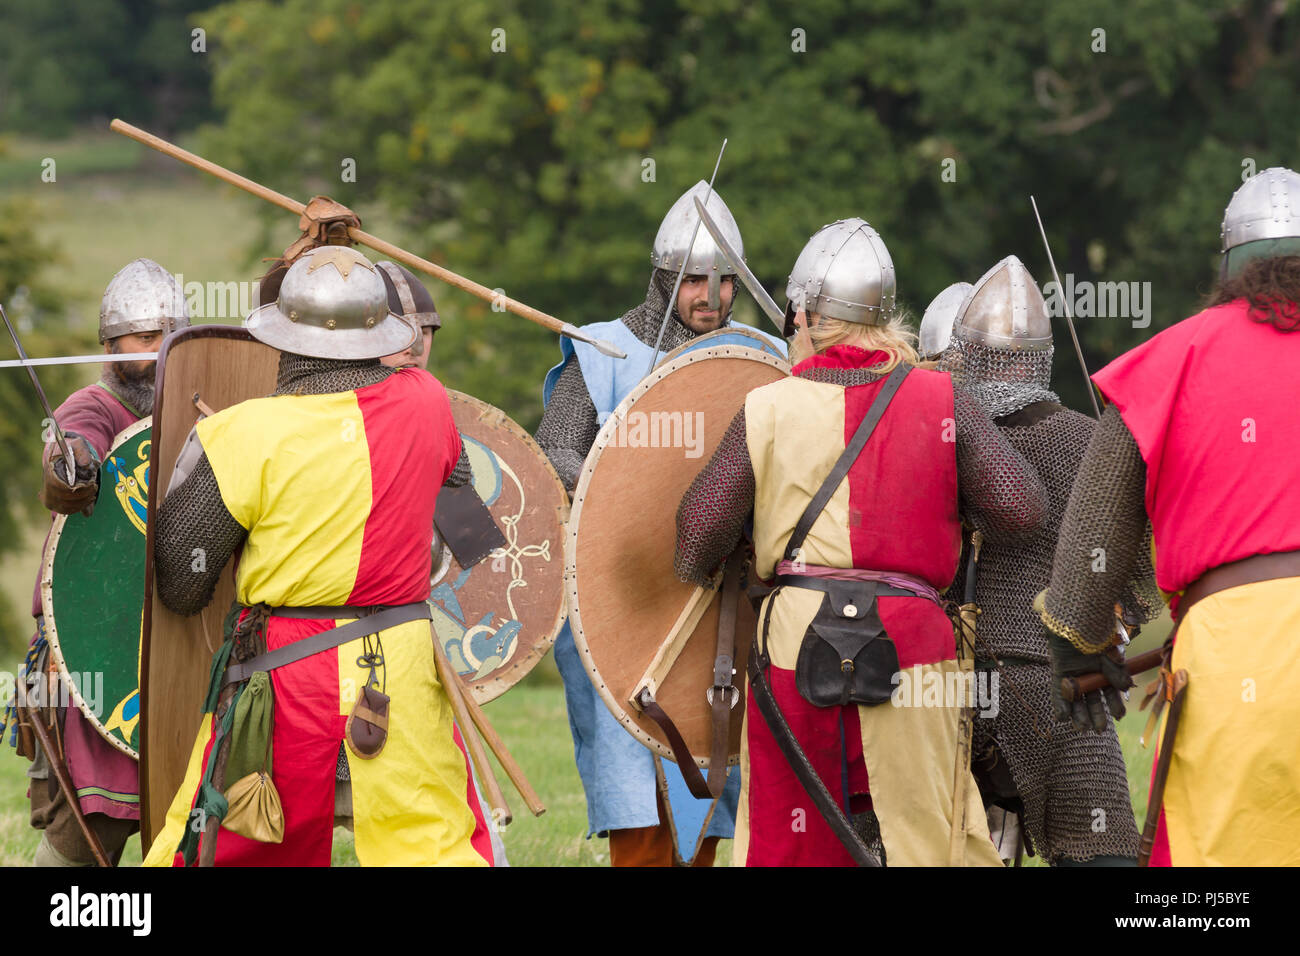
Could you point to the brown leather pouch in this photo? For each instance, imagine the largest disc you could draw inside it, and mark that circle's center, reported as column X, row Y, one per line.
column 25, row 744
column 367, row 727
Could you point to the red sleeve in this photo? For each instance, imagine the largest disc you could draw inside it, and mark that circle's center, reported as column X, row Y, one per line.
column 445, row 423
column 95, row 415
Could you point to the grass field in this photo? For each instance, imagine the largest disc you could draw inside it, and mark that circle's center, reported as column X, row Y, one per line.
column 532, row 721
column 531, row 718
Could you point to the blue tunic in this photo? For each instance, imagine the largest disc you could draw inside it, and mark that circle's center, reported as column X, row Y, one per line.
column 617, row 770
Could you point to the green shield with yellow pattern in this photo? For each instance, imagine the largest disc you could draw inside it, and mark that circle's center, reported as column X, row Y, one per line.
column 92, row 593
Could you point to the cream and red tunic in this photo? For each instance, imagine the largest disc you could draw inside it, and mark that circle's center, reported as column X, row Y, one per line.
column 896, row 511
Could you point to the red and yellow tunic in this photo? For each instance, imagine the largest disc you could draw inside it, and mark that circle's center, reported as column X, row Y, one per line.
column 337, row 494
column 896, row 511
column 1212, row 404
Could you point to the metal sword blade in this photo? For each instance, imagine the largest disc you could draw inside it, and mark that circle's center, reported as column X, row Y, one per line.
column 69, row 461
column 760, row 294
column 1069, row 319
column 81, row 359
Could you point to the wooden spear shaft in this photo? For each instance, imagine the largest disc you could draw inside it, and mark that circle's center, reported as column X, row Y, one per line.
column 364, row 238
column 456, row 697
column 508, row 763
column 60, row 770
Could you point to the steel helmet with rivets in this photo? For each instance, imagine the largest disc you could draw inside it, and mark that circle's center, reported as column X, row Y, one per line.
column 333, row 304
column 844, row 272
column 142, row 297
column 1262, row 219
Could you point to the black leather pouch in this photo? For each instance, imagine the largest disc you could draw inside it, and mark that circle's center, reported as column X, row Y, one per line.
column 846, row 656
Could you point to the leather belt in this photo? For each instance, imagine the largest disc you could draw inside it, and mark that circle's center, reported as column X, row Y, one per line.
column 1252, row 570
column 829, row 585
column 370, row 620
column 918, row 586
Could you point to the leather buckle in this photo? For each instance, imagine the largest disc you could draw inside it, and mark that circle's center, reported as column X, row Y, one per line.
column 735, row 694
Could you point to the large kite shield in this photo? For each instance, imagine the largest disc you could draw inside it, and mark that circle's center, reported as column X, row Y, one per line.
column 498, row 617
column 635, row 625
column 218, row 366
column 90, row 593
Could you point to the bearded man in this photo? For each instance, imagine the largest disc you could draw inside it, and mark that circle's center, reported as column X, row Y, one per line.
column 619, row 775
column 141, row 304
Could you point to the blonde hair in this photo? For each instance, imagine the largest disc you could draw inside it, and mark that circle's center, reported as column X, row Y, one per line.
column 895, row 338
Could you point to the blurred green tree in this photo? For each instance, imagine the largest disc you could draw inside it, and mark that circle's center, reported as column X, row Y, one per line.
column 536, row 148
column 64, row 62
column 33, row 304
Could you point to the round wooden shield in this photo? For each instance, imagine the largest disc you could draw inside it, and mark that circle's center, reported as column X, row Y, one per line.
column 92, row 592
column 623, row 595
column 741, row 335
column 497, row 619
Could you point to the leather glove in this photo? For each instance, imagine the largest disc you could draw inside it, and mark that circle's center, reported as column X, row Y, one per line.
column 1087, row 712
column 327, row 221
column 323, row 222
column 56, row 493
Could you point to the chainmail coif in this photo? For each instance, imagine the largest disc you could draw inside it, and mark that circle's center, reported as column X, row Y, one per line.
column 570, row 423
column 193, row 514
column 1001, row 380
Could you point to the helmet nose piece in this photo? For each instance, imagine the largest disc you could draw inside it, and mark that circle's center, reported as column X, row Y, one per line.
column 715, row 287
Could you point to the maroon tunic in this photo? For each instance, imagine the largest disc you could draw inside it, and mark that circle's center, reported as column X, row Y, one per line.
column 106, row 779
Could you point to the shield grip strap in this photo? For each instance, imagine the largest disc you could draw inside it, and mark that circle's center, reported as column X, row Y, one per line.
column 366, row 624
column 846, row 459
column 722, row 693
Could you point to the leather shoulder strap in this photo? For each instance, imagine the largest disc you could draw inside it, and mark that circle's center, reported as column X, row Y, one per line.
column 846, row 460
column 804, row 771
